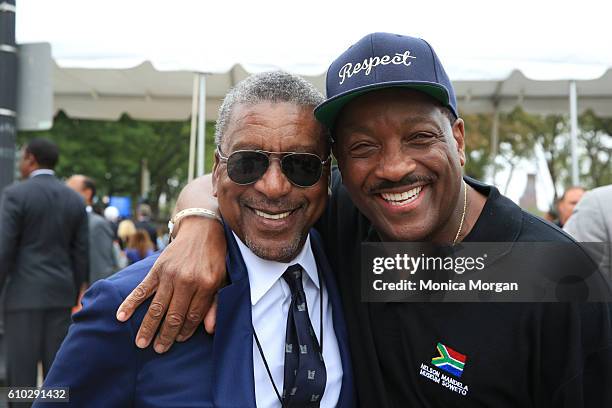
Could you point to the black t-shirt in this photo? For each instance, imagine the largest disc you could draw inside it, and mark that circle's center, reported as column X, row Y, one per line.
column 516, row 354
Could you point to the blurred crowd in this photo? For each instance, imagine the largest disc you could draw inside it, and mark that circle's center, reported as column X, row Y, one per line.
column 56, row 240
column 134, row 239
column 115, row 241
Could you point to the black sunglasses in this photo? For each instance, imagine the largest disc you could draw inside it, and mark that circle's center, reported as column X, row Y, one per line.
column 247, row 166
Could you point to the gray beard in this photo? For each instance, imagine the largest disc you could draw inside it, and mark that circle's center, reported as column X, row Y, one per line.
column 283, row 254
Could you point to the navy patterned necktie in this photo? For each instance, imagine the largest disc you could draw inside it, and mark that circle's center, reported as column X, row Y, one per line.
column 305, row 373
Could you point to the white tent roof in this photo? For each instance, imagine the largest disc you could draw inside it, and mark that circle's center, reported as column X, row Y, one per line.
column 146, row 93
column 536, row 96
column 127, row 45
column 142, row 92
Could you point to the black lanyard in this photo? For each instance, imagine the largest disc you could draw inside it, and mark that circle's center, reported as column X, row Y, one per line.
column 280, row 399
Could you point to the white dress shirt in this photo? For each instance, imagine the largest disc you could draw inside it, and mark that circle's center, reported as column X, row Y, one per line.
column 39, row 172
column 270, row 300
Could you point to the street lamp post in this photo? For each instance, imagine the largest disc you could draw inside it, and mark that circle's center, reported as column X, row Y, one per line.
column 8, row 92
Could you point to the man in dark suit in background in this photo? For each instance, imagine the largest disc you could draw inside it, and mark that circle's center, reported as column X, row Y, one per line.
column 102, row 259
column 43, row 260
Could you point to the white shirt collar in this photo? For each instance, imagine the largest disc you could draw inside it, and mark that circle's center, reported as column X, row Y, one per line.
column 88, row 209
column 41, row 172
column 263, row 274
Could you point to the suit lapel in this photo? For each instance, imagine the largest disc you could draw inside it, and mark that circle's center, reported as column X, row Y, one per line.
column 347, row 392
column 233, row 341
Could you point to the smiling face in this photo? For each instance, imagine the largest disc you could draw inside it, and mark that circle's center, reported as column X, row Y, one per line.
column 400, row 159
column 271, row 216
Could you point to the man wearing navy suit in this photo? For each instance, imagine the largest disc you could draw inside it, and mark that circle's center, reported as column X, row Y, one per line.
column 280, row 335
column 43, row 261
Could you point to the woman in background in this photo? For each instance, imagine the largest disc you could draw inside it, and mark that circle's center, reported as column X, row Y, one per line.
column 139, row 246
column 125, row 229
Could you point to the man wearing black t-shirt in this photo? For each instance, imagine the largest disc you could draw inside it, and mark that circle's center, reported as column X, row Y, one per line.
column 400, row 148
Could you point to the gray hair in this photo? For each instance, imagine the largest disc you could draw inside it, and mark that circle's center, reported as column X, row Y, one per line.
column 276, row 86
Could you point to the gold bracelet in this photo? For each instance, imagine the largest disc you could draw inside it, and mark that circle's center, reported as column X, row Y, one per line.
column 188, row 212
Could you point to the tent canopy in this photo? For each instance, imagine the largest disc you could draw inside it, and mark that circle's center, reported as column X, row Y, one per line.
column 536, row 96
column 146, row 93
column 142, row 92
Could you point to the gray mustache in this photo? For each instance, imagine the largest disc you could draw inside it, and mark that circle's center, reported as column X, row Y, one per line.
column 280, row 204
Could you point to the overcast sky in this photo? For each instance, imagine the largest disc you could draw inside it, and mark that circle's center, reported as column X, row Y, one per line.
column 475, row 39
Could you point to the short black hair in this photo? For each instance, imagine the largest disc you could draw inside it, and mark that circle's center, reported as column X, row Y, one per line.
column 90, row 184
column 44, row 151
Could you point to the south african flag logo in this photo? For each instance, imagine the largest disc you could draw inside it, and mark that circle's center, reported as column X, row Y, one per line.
column 449, row 360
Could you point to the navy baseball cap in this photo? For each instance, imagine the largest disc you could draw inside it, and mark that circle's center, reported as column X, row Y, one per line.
column 383, row 60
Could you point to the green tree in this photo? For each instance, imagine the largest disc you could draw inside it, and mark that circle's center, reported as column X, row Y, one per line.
column 596, row 140
column 516, row 141
column 552, row 134
column 478, row 129
column 112, row 152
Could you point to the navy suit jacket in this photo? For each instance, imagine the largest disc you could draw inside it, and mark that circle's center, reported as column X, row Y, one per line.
column 43, row 244
column 103, row 368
